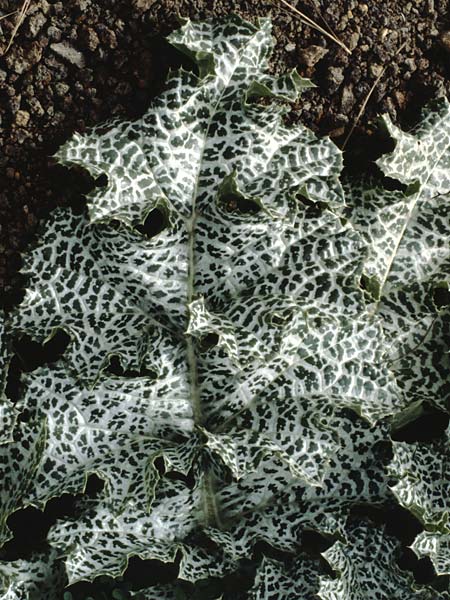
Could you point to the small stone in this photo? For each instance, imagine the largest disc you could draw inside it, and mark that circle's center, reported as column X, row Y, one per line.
column 34, row 53
column 58, row 8
column 107, row 36
column 90, row 38
column 22, row 118
column 143, row 5
column 376, row 69
column 384, row 33
column 3, row 76
column 35, row 23
column 68, row 53
column 311, row 55
column 347, row 99
column 42, row 76
column 54, row 33
column 61, row 89
column 390, row 107
column 44, row 6
column 35, row 107
column 335, row 77
column 9, row 91
column 14, row 102
column 444, row 40
column 21, row 60
column 353, row 40
column 290, row 47
column 10, row 172
column 336, row 133
column 410, row 64
column 17, row 63
column 400, row 98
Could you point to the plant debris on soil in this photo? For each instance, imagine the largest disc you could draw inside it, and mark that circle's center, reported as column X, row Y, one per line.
column 77, row 63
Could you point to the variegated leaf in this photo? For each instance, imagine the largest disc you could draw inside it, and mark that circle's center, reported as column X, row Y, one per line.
column 422, row 472
column 367, row 569
column 274, row 581
column 256, row 383
column 435, row 546
column 41, row 576
column 408, row 234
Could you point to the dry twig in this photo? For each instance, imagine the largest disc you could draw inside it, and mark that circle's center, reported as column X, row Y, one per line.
column 308, row 21
column 20, row 18
column 363, row 107
column 10, row 14
column 366, row 100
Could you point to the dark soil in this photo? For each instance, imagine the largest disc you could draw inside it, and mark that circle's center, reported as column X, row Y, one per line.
column 110, row 59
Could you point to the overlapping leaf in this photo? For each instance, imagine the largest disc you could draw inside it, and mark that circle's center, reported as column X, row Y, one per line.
column 42, row 576
column 367, row 569
column 436, row 547
column 7, row 412
column 274, row 581
column 408, row 266
column 250, row 365
column 423, row 474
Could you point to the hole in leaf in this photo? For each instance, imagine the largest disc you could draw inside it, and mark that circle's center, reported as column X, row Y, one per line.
column 155, row 222
column 101, row 181
column 315, row 543
column 427, row 427
column 101, row 588
column 234, row 203
column 24, row 416
column 200, row 539
column 262, row 549
column 209, row 341
column 383, row 451
column 402, row 524
column 399, row 522
column 306, row 201
column 422, row 568
column 115, row 368
column 56, row 346
column 159, row 465
column 441, row 583
column 14, row 295
column 188, row 480
column 441, row 297
column 393, row 185
column 72, row 184
column 145, row 573
column 12, row 389
column 32, row 354
column 30, row 526
column 94, row 485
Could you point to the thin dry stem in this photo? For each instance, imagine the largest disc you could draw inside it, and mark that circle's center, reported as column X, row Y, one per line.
column 363, row 107
column 20, row 18
column 308, row 21
column 366, row 100
column 8, row 15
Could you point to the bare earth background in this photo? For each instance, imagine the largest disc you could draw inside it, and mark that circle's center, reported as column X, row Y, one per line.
column 76, row 63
